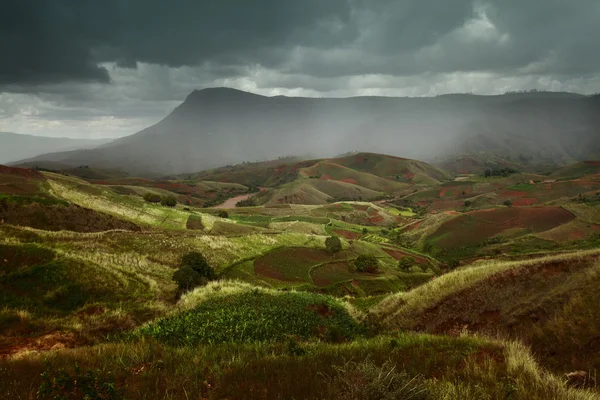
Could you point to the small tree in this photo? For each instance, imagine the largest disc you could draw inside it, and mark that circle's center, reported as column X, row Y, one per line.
column 406, row 263
column 223, row 214
column 187, row 279
column 152, row 198
column 508, row 203
column 198, row 263
column 365, row 231
column 452, row 264
column 366, row 263
column 168, row 201
column 333, row 244
column 468, row 203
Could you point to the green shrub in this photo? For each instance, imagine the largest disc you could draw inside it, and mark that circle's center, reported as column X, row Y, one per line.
column 406, row 263
column 223, row 214
column 468, row 203
column 67, row 385
column 187, row 279
column 168, row 201
column 366, row 263
column 198, row 263
column 152, row 198
column 333, row 244
column 508, row 203
column 245, row 203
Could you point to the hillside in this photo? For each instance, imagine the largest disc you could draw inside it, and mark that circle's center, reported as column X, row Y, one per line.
column 360, row 176
column 14, row 147
column 92, row 302
column 539, row 301
column 220, row 126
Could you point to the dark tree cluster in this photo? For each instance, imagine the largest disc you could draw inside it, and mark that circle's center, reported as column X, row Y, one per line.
column 366, row 263
column 194, row 271
column 504, row 172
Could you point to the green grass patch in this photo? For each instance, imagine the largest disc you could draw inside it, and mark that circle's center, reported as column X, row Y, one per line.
column 25, row 200
column 256, row 316
column 522, row 187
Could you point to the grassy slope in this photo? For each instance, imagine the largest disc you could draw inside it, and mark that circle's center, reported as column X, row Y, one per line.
column 389, row 167
column 532, row 300
column 340, row 173
column 314, row 192
column 576, row 170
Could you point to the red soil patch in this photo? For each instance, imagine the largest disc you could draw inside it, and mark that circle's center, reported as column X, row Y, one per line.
column 593, row 163
column 360, row 207
column 446, row 205
column 376, row 220
column 321, row 309
column 422, row 203
column 347, row 234
column 452, row 213
column 474, row 227
column 513, row 193
column 331, row 273
column 443, row 192
column 409, row 175
column 21, row 172
column 18, row 188
column 525, row 202
column 576, row 235
column 326, row 177
column 289, row 264
column 399, row 254
column 414, row 226
column 349, row 180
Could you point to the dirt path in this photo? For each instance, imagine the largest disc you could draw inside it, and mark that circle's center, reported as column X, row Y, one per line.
column 233, row 201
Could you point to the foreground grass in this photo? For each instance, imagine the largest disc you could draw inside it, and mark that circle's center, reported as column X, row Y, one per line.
column 430, row 367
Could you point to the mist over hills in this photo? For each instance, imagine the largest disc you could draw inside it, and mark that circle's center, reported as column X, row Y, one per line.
column 219, row 126
column 14, row 147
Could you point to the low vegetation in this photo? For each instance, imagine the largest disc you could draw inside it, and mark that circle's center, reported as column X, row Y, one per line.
column 138, row 289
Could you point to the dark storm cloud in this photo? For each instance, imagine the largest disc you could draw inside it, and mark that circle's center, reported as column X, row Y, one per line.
column 45, row 41
column 61, row 40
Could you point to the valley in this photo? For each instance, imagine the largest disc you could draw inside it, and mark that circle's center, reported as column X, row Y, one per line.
column 416, row 280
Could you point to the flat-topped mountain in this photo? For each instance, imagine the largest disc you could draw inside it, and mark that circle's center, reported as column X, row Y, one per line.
column 220, row 126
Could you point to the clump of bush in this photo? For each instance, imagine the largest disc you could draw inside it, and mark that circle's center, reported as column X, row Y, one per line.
column 245, row 203
column 406, row 263
column 366, row 263
column 152, row 198
column 223, row 214
column 194, row 271
column 168, row 201
column 333, row 244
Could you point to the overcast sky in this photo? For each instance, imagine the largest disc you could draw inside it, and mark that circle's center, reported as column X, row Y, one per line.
column 88, row 68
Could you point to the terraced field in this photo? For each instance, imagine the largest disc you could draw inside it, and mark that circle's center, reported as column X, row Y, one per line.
column 102, row 311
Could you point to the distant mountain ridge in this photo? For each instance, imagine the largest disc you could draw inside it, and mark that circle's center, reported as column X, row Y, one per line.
column 220, row 126
column 16, row 146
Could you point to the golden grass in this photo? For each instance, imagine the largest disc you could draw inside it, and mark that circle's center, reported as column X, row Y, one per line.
column 400, row 309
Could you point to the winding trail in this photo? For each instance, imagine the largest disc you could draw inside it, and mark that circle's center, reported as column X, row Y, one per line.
column 230, row 203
